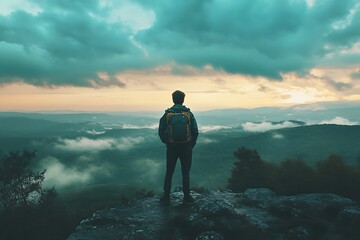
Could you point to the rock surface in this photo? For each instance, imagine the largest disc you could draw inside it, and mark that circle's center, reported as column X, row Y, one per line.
column 254, row 214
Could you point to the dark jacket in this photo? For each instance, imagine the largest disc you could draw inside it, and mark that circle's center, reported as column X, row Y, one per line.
column 193, row 124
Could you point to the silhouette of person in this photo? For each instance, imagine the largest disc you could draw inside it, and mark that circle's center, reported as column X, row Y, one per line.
column 175, row 150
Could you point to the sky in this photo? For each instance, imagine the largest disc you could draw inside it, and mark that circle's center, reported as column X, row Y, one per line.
column 117, row 55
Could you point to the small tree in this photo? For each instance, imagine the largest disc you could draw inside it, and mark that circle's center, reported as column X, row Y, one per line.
column 335, row 176
column 295, row 177
column 19, row 185
column 250, row 171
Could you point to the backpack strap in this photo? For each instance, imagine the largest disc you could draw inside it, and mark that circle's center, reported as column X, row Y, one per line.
column 168, row 116
column 187, row 115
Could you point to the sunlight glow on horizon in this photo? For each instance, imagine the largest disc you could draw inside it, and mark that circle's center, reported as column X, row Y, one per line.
column 299, row 97
column 151, row 91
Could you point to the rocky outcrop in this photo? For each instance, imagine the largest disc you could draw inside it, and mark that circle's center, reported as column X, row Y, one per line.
column 254, row 214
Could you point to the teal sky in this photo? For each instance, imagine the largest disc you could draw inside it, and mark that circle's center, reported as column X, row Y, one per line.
column 95, row 44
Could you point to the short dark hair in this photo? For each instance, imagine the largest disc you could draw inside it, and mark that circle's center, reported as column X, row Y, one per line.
column 178, row 97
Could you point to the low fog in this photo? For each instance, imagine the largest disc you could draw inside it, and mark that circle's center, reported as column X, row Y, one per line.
column 81, row 151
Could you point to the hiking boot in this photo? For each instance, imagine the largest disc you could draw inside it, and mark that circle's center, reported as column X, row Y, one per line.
column 188, row 199
column 165, row 199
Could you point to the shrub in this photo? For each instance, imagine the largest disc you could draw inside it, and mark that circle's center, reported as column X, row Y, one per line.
column 250, row 171
column 294, row 176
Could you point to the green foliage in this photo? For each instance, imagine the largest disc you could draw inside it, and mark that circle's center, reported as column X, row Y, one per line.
column 334, row 175
column 20, row 186
column 294, row 176
column 26, row 208
column 253, row 170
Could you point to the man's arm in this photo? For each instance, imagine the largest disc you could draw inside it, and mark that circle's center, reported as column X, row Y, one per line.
column 194, row 129
column 162, row 129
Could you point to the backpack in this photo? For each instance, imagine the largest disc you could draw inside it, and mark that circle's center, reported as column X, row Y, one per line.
column 178, row 127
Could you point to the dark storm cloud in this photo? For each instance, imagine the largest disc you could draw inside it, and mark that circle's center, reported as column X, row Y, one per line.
column 69, row 42
column 64, row 45
column 254, row 37
column 347, row 30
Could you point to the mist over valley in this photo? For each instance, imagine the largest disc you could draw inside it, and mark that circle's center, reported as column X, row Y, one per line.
column 87, row 150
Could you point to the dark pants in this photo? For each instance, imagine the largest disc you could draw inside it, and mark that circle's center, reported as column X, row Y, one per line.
column 184, row 153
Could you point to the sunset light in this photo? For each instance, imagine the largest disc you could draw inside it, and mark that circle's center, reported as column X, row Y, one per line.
column 105, row 55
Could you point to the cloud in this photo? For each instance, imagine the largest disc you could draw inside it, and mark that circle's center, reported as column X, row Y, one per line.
column 130, row 14
column 9, row 6
column 259, row 38
column 278, row 136
column 127, row 143
column 340, row 86
column 147, row 170
column 266, row 126
column 356, row 75
column 59, row 175
column 132, row 126
column 94, row 132
column 84, row 144
column 339, row 121
column 207, row 128
column 205, row 140
column 62, row 42
column 263, row 88
column 65, row 45
column 219, row 81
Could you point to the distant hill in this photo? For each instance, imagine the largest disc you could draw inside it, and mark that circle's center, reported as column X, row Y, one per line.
column 310, row 143
column 301, row 113
column 316, row 112
column 21, row 125
column 17, row 126
column 85, row 117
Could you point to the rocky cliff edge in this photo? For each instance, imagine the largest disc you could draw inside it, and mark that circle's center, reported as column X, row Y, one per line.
column 253, row 214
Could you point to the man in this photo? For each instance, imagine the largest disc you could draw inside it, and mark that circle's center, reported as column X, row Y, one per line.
column 178, row 130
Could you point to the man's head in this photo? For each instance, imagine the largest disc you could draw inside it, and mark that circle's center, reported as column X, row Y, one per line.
column 178, row 97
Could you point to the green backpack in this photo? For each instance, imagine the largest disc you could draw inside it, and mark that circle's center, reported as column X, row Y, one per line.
column 178, row 127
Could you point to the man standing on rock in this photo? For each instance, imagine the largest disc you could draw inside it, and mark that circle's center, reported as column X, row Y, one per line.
column 178, row 130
